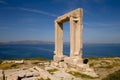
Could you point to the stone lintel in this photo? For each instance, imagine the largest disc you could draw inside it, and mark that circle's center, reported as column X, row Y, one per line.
column 66, row 17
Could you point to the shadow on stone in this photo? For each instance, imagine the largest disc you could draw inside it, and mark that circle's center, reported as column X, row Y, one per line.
column 85, row 61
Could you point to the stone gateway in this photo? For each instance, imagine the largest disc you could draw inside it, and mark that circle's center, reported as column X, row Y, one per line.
column 74, row 62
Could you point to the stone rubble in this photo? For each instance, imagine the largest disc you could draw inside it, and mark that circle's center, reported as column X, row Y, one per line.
column 36, row 73
column 13, row 61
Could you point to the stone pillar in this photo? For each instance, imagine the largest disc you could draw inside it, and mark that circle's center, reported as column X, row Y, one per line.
column 72, row 37
column 60, row 39
column 76, row 37
column 79, row 27
column 58, row 53
column 56, row 39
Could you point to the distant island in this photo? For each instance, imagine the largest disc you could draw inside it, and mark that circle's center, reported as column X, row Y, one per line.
column 1, row 42
column 27, row 42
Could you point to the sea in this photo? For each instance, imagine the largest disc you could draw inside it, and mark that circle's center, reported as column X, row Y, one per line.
column 13, row 51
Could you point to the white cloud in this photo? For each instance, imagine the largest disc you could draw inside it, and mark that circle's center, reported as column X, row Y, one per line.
column 37, row 11
column 32, row 11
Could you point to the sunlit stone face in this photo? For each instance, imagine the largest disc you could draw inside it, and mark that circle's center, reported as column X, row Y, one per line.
column 75, row 19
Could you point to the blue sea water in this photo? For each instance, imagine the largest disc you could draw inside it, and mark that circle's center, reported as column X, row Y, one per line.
column 8, row 51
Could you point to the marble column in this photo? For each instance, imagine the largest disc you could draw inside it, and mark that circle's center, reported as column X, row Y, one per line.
column 60, row 39
column 58, row 52
column 76, row 37
column 72, row 37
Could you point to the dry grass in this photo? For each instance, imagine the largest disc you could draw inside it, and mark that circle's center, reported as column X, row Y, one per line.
column 108, row 62
column 43, row 79
column 8, row 66
column 77, row 74
column 105, row 66
column 113, row 76
column 51, row 71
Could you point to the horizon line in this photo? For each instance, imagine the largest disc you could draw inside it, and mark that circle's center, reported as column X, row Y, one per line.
column 63, row 42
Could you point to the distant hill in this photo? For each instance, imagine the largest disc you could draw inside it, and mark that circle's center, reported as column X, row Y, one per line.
column 2, row 43
column 29, row 42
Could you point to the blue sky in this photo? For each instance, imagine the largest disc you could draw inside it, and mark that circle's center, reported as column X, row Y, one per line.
column 34, row 19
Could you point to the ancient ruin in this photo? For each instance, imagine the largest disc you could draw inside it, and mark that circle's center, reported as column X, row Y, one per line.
column 74, row 61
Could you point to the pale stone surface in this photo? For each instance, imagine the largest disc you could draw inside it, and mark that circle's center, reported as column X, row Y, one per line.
column 63, row 75
column 43, row 73
column 77, row 79
column 13, row 61
column 48, row 68
column 32, row 78
column 13, row 74
column 1, row 75
column 12, row 77
column 19, row 61
column 61, row 64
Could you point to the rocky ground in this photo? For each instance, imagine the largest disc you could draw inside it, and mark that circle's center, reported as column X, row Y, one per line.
column 105, row 66
column 39, row 69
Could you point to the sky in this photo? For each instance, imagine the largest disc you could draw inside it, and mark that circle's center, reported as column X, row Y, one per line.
column 34, row 19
